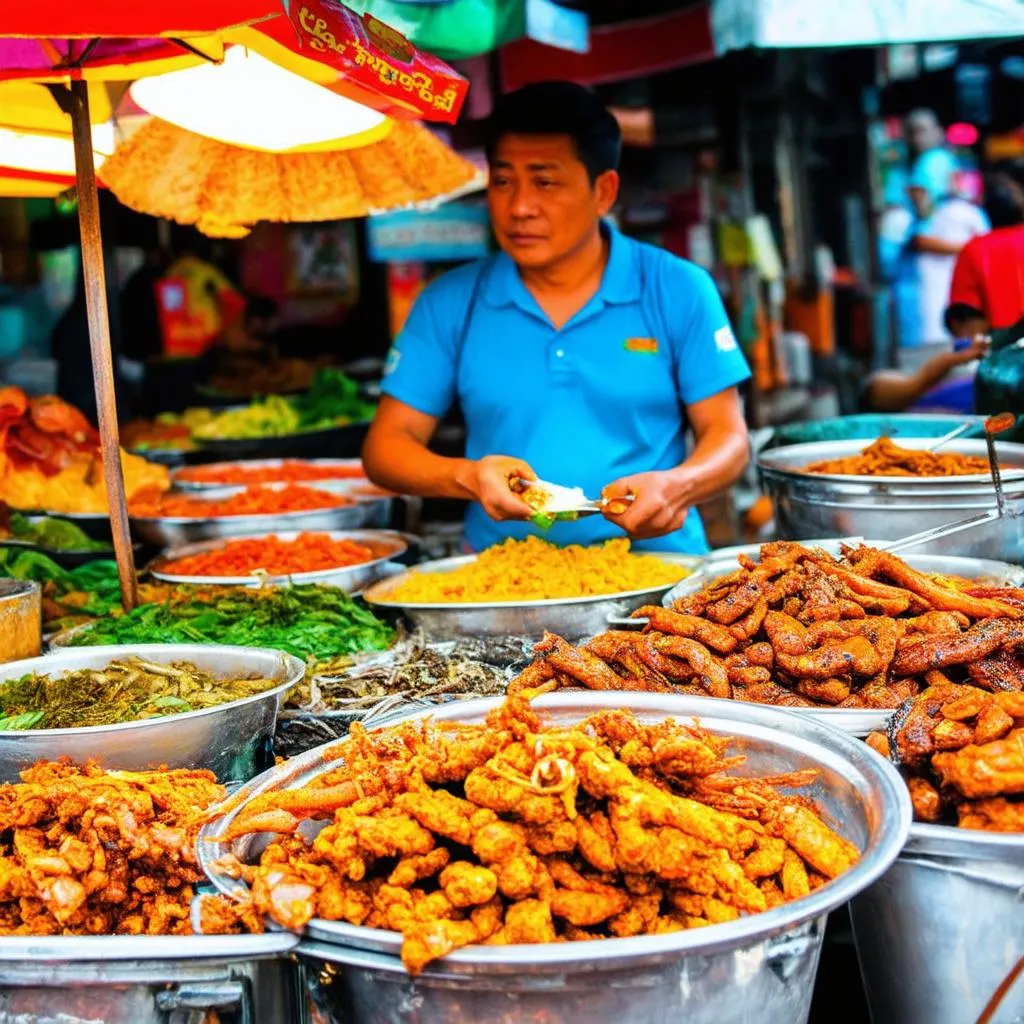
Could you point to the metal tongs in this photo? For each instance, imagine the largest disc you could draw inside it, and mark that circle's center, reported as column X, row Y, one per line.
column 993, row 425
column 567, row 500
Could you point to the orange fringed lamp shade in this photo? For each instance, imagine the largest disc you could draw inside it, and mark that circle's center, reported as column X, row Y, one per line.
column 223, row 190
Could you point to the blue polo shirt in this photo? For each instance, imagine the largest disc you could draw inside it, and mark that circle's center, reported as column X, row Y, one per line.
column 602, row 398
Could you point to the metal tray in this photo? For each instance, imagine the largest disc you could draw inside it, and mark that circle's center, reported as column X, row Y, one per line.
column 341, row 442
column 572, row 618
column 349, row 578
column 181, row 483
column 172, row 531
column 858, row 722
column 856, row 787
column 232, row 739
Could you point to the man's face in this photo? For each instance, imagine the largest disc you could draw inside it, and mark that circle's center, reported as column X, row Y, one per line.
column 920, row 200
column 543, row 204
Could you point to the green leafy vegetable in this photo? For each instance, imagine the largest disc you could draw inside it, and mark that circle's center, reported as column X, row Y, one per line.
column 310, row 621
column 331, row 397
column 545, row 520
column 55, row 534
column 17, row 723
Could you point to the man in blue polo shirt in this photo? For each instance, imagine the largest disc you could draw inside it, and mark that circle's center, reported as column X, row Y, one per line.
column 578, row 355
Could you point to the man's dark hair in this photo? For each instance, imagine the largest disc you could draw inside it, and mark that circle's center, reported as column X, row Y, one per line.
column 1004, row 199
column 560, row 108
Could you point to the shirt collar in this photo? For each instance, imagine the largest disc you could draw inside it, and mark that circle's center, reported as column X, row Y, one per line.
column 620, row 282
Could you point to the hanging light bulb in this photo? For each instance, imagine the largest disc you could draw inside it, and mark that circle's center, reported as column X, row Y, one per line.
column 249, row 101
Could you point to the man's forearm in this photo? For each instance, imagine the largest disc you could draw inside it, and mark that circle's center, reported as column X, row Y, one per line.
column 717, row 460
column 403, row 464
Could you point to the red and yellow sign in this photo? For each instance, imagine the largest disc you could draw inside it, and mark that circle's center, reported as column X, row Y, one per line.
column 374, row 56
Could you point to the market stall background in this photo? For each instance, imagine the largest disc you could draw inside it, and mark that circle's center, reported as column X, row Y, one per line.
column 767, row 159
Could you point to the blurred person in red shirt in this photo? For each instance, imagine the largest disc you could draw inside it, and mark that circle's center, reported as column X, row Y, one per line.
column 987, row 292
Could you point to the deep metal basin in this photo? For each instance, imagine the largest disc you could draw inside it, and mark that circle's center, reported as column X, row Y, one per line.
column 887, row 508
column 232, row 740
column 940, row 930
column 149, row 979
column 760, row 967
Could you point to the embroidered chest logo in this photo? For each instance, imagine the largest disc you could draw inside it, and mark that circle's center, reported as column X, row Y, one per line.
column 645, row 345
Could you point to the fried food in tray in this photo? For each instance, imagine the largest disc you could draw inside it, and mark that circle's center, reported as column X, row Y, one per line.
column 961, row 751
column 512, row 832
column 89, row 852
column 800, row 628
column 886, row 458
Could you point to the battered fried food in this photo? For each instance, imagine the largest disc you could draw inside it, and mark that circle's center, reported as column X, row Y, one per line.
column 886, row 458
column 962, row 752
column 608, row 828
column 89, row 852
column 801, row 628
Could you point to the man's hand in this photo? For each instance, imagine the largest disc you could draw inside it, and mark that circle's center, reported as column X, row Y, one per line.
column 978, row 349
column 659, row 506
column 489, row 481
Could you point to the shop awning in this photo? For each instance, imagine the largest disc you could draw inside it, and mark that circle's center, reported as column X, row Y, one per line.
column 776, row 24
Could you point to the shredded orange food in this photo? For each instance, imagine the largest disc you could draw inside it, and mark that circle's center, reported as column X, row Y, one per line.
column 886, row 458
column 534, row 570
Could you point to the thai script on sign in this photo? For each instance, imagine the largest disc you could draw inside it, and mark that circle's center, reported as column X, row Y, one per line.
column 365, row 54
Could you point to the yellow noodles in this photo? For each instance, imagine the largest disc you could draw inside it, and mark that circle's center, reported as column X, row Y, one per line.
column 533, row 570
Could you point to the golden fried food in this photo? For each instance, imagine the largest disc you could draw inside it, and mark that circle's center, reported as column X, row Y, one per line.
column 513, row 831
column 961, row 750
column 801, row 628
column 886, row 458
column 533, row 570
column 89, row 852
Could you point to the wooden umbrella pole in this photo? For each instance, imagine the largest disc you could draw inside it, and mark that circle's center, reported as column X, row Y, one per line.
column 99, row 340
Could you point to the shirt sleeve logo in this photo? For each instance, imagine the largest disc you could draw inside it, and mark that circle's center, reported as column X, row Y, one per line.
column 392, row 360
column 725, row 340
column 646, row 345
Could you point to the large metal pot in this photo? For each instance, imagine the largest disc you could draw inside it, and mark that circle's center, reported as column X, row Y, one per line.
column 888, row 508
column 149, row 979
column 760, row 967
column 573, row 618
column 232, row 740
column 942, row 928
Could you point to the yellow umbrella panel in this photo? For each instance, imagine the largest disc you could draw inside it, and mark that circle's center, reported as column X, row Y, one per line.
column 223, row 190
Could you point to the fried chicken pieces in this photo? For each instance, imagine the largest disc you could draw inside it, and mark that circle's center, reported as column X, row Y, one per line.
column 962, row 752
column 89, row 852
column 886, row 458
column 515, row 832
column 800, row 628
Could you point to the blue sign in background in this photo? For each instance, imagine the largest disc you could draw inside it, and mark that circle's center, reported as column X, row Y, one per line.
column 448, row 234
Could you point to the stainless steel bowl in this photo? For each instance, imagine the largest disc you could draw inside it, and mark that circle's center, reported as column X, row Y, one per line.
column 887, row 508
column 349, row 578
column 181, row 483
column 856, row 721
column 760, row 967
column 148, row 979
column 232, row 740
column 571, row 617
column 942, row 928
column 172, row 531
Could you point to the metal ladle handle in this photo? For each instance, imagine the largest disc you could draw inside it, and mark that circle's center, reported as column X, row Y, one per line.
column 996, row 425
